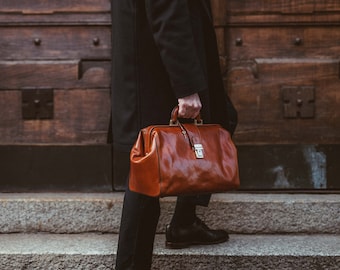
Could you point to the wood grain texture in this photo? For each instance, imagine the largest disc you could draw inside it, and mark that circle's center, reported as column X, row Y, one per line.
column 259, row 101
column 55, row 74
column 273, row 45
column 55, row 42
column 282, row 6
column 80, row 117
column 53, row 6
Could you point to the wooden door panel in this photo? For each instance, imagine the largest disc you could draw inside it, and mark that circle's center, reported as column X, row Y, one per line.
column 245, row 43
column 53, row 42
column 56, row 168
column 281, row 6
column 55, row 74
column 297, row 70
column 53, row 6
column 263, row 6
column 260, row 101
column 80, row 117
column 328, row 5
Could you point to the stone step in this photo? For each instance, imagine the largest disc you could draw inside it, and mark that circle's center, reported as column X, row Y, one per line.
column 236, row 212
column 242, row 252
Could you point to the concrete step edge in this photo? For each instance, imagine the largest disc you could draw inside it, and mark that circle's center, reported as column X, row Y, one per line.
column 97, row 251
column 235, row 212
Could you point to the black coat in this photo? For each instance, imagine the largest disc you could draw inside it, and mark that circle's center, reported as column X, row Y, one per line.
column 163, row 50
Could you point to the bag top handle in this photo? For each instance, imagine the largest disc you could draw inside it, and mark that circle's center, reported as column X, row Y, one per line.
column 174, row 118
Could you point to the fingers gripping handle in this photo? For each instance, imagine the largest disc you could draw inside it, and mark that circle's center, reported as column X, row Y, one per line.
column 174, row 118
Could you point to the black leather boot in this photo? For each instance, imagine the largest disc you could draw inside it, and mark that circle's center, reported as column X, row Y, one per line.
column 196, row 233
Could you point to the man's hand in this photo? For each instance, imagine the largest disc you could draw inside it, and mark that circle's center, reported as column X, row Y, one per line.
column 189, row 106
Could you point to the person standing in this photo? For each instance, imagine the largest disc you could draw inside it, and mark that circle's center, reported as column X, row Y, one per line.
column 164, row 55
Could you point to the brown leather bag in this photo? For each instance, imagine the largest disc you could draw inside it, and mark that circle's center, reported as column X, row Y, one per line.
column 183, row 159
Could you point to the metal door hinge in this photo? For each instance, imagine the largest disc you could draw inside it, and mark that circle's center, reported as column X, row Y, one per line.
column 298, row 101
column 37, row 103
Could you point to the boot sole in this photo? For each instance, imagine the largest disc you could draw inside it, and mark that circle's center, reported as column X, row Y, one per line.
column 180, row 245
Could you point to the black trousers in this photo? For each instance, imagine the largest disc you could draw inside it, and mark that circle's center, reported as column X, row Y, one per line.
column 137, row 231
column 138, row 227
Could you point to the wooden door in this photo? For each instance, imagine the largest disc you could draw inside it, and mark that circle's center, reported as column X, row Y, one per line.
column 280, row 65
column 280, row 62
column 55, row 95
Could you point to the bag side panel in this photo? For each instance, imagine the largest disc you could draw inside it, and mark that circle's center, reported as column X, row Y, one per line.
column 144, row 166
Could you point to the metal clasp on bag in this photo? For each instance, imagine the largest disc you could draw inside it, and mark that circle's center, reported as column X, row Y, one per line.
column 199, row 151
